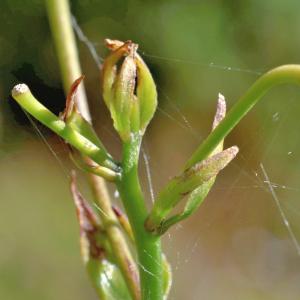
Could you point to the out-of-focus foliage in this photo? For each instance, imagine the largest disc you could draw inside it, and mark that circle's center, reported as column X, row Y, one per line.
column 239, row 250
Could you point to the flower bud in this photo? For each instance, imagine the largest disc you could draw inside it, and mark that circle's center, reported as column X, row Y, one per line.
column 200, row 193
column 96, row 252
column 142, row 110
column 185, row 183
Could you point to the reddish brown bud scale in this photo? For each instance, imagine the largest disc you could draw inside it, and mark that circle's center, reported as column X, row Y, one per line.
column 73, row 118
column 71, row 96
column 90, row 226
column 109, row 70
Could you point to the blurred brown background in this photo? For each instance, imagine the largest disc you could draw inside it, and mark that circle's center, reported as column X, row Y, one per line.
column 236, row 246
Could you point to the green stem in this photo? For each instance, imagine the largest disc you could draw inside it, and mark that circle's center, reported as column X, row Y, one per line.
column 148, row 244
column 63, row 35
column 23, row 96
column 283, row 74
column 118, row 243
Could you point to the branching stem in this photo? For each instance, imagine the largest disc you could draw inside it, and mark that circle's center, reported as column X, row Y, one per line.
column 283, row 74
column 148, row 244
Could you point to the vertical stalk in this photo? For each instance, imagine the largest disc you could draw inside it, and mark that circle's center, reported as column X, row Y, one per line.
column 63, row 35
column 148, row 244
column 114, row 233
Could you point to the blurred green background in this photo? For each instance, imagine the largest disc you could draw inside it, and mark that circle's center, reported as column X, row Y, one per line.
column 236, row 246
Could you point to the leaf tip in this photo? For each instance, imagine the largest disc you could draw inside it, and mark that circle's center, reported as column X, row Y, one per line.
column 234, row 150
column 221, row 111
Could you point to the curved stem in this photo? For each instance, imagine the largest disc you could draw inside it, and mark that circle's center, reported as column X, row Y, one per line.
column 23, row 96
column 148, row 245
column 283, row 74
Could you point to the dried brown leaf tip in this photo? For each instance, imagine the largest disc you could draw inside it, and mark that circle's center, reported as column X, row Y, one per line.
column 114, row 45
column 91, row 232
column 71, row 98
column 124, row 222
column 73, row 118
column 221, row 111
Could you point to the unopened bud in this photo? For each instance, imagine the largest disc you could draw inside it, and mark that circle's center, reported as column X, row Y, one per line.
column 200, row 193
column 185, row 183
column 145, row 90
column 96, row 252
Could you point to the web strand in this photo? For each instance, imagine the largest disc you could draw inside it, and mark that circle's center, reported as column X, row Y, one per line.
column 286, row 222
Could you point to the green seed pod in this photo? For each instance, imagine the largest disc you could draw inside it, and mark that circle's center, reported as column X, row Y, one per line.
column 96, row 252
column 183, row 184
